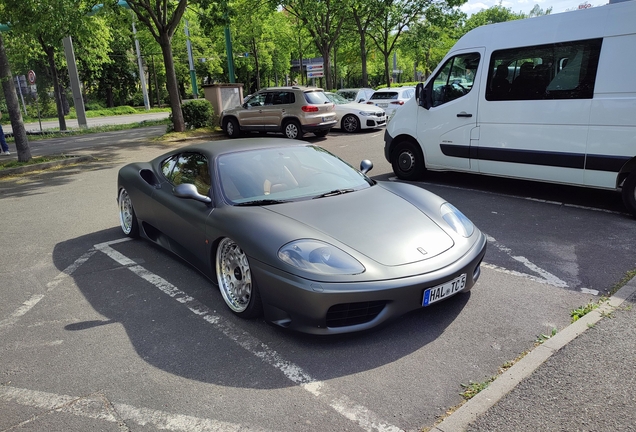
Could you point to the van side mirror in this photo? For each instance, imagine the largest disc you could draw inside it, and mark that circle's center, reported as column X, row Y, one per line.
column 422, row 95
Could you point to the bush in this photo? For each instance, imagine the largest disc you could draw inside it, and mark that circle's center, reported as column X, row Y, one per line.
column 93, row 106
column 197, row 113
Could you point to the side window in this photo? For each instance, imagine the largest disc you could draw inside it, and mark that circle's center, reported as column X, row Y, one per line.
column 455, row 79
column 192, row 168
column 167, row 166
column 257, row 100
column 282, row 98
column 554, row 71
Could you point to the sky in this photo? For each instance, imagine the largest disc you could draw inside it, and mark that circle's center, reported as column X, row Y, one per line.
column 525, row 6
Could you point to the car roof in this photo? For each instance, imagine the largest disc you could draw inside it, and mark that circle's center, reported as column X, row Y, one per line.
column 394, row 88
column 217, row 148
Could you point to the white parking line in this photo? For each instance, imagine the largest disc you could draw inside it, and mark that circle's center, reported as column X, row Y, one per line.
column 97, row 406
column 546, row 277
column 35, row 298
column 365, row 418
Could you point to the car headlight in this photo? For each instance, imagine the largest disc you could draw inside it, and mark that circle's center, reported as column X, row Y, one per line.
column 456, row 219
column 366, row 113
column 315, row 256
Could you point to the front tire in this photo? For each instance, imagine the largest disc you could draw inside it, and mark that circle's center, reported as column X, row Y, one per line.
column 629, row 193
column 407, row 161
column 127, row 217
column 234, row 276
column 292, row 130
column 350, row 123
column 232, row 128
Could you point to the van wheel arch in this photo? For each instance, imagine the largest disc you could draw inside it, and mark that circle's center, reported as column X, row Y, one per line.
column 407, row 158
column 628, row 192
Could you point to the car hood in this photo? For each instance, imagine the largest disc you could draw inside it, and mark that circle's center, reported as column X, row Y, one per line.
column 375, row 222
column 355, row 106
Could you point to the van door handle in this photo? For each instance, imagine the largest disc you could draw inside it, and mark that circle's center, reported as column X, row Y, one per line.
column 464, row 114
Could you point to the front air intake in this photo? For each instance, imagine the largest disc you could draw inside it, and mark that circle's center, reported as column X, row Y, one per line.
column 347, row 314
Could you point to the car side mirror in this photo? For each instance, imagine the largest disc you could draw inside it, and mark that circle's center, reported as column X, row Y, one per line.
column 366, row 166
column 189, row 191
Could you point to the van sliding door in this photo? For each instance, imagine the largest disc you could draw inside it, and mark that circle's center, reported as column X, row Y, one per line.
column 534, row 121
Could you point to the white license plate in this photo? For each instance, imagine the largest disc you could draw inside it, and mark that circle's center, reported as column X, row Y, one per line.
column 383, row 105
column 440, row 292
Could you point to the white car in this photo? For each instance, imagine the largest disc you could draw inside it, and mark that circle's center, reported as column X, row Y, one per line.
column 356, row 94
column 390, row 99
column 353, row 116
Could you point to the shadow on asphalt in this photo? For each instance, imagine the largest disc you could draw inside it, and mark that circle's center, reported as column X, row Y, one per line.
column 170, row 337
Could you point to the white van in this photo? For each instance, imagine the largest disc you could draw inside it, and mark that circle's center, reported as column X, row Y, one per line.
column 551, row 98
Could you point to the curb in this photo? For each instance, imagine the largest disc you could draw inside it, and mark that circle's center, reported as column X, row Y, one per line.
column 45, row 165
column 500, row 387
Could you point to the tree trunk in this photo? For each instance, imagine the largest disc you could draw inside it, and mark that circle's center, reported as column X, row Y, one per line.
column 258, row 70
column 172, row 85
column 363, row 58
column 50, row 54
column 13, row 106
column 325, row 51
column 387, row 76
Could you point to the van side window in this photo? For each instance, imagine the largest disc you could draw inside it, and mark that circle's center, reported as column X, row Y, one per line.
column 455, row 78
column 554, row 71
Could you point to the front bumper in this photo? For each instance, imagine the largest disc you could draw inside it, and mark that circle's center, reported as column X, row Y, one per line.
column 317, row 307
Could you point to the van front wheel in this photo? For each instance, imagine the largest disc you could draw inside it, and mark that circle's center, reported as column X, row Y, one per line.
column 407, row 161
column 629, row 193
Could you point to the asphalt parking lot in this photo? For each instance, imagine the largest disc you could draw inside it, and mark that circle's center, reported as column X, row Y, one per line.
column 102, row 333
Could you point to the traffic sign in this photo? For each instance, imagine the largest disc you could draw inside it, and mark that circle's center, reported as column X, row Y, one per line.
column 31, row 77
column 317, row 74
column 315, row 67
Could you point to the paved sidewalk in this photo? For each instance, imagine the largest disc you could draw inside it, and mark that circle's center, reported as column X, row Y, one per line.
column 95, row 121
column 582, row 379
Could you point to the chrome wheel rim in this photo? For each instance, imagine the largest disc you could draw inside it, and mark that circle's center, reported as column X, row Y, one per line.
column 125, row 212
column 229, row 128
column 291, row 131
column 350, row 124
column 234, row 275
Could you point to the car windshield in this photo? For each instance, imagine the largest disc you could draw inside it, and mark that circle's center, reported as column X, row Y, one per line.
column 385, row 95
column 282, row 174
column 316, row 97
column 336, row 98
column 348, row 94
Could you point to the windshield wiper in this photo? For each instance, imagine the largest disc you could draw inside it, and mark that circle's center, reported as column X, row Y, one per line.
column 334, row 192
column 261, row 202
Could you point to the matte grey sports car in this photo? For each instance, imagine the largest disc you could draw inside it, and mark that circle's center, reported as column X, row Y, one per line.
column 291, row 231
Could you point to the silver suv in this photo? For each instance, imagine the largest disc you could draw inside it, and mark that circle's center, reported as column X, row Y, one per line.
column 293, row 111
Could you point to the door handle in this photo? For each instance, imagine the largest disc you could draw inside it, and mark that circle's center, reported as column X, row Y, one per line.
column 464, row 114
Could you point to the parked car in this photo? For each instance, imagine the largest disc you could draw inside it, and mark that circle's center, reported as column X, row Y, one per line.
column 356, row 94
column 353, row 116
column 390, row 99
column 295, row 233
column 293, row 111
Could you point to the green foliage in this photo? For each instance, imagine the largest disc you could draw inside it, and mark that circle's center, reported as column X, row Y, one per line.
column 582, row 311
column 472, row 388
column 544, row 337
column 197, row 114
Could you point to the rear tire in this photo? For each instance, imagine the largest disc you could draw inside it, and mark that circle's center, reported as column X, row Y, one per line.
column 127, row 217
column 407, row 161
column 292, row 130
column 232, row 128
column 629, row 193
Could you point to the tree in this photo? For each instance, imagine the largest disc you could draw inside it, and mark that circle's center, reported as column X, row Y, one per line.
column 47, row 22
column 393, row 17
column 323, row 20
column 162, row 18
column 492, row 15
column 363, row 14
column 19, row 132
